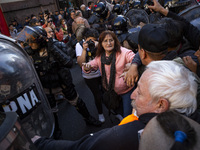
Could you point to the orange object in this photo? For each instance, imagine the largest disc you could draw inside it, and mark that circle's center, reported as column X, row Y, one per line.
column 128, row 119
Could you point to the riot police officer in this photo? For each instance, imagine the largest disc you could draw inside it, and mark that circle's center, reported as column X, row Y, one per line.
column 117, row 9
column 52, row 65
column 102, row 18
column 126, row 39
column 125, row 6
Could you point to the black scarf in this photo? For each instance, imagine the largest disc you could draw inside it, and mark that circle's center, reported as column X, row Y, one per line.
column 110, row 98
column 107, row 61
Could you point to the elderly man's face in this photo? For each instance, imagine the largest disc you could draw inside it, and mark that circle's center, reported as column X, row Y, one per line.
column 142, row 101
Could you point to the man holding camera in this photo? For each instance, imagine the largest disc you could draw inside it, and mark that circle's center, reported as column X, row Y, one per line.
column 85, row 52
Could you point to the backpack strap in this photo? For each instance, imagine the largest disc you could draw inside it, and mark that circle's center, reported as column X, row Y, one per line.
column 81, row 43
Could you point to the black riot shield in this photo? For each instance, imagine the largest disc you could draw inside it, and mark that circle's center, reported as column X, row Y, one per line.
column 21, row 90
column 136, row 16
column 191, row 13
column 12, row 135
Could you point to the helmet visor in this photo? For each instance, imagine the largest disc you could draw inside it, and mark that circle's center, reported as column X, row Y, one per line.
column 27, row 35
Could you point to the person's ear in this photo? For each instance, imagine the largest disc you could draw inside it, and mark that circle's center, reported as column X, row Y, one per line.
column 162, row 105
column 143, row 53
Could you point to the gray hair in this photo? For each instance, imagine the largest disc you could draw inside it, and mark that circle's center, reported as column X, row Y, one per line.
column 82, row 6
column 175, row 83
column 78, row 13
column 60, row 16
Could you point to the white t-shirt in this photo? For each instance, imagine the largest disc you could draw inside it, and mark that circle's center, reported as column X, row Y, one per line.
column 92, row 74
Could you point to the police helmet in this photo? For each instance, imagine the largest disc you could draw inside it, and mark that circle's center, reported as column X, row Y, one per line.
column 136, row 4
column 120, row 24
column 41, row 31
column 101, row 10
column 117, row 9
column 130, row 3
column 32, row 35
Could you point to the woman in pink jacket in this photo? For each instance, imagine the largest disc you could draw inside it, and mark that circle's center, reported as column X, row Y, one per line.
column 111, row 59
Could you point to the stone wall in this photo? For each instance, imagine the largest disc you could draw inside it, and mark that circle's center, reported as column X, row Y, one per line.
column 19, row 10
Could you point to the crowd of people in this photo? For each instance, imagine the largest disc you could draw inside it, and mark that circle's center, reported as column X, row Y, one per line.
column 62, row 20
column 139, row 72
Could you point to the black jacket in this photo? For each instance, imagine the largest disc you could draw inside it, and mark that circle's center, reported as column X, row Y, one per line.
column 69, row 26
column 124, row 137
column 59, row 51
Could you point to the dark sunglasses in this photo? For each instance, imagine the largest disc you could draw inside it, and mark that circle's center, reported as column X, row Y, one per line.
column 50, row 21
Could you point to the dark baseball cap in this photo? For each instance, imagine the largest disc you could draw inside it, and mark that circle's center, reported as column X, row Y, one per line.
column 153, row 38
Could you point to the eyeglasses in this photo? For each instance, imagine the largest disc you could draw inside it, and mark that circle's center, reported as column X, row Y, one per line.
column 50, row 21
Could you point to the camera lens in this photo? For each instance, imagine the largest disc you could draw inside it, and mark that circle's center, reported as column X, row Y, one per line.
column 91, row 44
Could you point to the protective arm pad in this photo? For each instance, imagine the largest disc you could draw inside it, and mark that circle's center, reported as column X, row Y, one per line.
column 60, row 56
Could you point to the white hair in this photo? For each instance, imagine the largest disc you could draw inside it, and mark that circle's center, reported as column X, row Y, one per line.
column 60, row 16
column 175, row 83
column 82, row 6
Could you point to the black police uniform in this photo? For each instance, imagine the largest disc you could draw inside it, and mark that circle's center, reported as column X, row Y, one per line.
column 121, row 30
column 98, row 19
column 53, row 71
